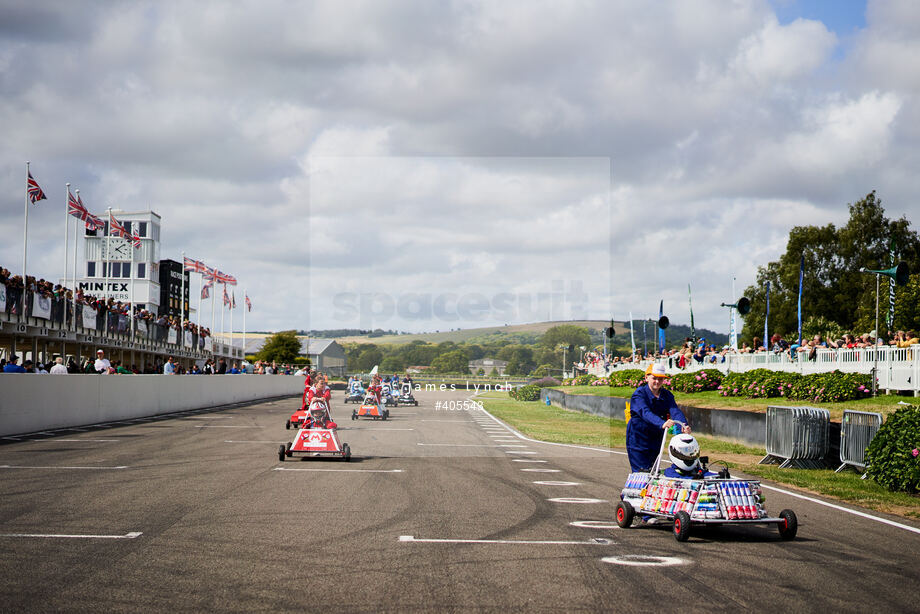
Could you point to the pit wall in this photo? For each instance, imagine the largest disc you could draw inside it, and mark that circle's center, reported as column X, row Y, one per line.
column 31, row 403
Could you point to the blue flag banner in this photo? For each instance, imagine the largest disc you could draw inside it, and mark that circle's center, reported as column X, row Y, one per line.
column 801, row 278
column 766, row 322
column 661, row 338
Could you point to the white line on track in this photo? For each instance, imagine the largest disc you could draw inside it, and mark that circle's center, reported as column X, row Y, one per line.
column 463, row 421
column 227, row 426
column 376, row 430
column 594, row 524
column 512, row 445
column 342, row 470
column 253, row 441
column 551, row 483
column 132, row 535
column 641, row 560
column 519, row 452
column 459, row 445
column 538, row 470
column 844, row 509
column 591, row 542
column 529, row 460
column 576, row 500
column 58, row 467
column 52, row 440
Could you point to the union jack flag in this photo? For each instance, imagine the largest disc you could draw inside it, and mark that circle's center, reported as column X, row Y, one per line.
column 210, row 274
column 224, row 278
column 118, row 229
column 206, row 289
column 195, row 266
column 92, row 222
column 35, row 192
column 248, row 302
column 226, row 296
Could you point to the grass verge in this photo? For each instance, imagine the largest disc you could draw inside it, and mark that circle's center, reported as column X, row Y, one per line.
column 884, row 404
column 548, row 423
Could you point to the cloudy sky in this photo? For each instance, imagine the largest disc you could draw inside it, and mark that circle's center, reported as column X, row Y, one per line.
column 423, row 165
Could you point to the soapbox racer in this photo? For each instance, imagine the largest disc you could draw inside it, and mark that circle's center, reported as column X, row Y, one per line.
column 355, row 393
column 318, row 436
column 297, row 419
column 389, row 398
column 370, row 408
column 703, row 499
column 405, row 395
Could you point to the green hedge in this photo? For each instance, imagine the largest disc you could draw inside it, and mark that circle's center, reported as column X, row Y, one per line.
column 893, row 456
column 525, row 393
column 584, row 380
column 697, row 381
column 630, row 378
column 817, row 387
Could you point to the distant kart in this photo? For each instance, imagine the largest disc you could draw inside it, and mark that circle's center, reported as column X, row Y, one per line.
column 370, row 408
column 405, row 395
column 297, row 418
column 355, row 394
column 389, row 398
column 318, row 437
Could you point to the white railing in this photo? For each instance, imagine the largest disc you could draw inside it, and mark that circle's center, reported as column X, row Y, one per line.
column 898, row 368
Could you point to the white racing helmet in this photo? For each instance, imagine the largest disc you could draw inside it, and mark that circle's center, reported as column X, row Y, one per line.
column 684, row 452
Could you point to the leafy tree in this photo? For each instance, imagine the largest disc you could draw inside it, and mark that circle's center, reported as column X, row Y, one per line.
column 833, row 287
column 392, row 364
column 280, row 347
column 455, row 361
column 521, row 361
column 566, row 334
column 369, row 356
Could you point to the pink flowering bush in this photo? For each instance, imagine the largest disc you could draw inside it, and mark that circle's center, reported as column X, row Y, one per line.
column 699, row 381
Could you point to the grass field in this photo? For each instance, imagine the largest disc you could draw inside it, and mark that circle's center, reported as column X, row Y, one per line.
column 884, row 404
column 545, row 423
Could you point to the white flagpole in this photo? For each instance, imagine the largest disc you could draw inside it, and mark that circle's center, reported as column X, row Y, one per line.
column 182, row 305
column 107, row 262
column 25, row 242
column 198, row 311
column 73, row 284
column 231, row 319
column 66, row 241
column 245, row 309
column 213, row 296
column 223, row 311
column 132, row 274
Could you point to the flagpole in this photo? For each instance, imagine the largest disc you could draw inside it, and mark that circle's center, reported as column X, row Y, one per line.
column 66, row 243
column 198, row 311
column 690, row 302
column 73, row 284
column 223, row 311
column 107, row 264
column 212, row 309
column 132, row 273
column 182, row 305
column 232, row 299
column 25, row 241
column 245, row 309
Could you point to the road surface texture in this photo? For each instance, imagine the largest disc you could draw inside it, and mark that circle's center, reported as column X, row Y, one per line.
column 438, row 511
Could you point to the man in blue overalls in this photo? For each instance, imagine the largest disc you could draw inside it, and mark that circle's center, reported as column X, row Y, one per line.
column 652, row 410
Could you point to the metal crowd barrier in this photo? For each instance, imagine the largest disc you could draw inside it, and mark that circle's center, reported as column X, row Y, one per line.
column 797, row 437
column 857, row 428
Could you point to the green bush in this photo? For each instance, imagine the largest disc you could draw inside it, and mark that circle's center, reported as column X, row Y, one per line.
column 584, row 380
column 893, row 455
column 629, row 378
column 697, row 381
column 525, row 393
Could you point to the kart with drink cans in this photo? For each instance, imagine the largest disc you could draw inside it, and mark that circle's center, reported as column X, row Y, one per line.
column 318, row 436
column 706, row 501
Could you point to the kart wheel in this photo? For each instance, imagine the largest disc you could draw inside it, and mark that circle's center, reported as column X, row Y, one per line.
column 789, row 526
column 681, row 526
column 281, row 453
column 416, row 403
column 346, row 451
column 287, row 425
column 625, row 513
column 287, row 450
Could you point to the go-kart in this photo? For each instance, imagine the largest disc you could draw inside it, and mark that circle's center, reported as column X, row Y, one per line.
column 405, row 395
column 317, row 437
column 706, row 501
column 389, row 398
column 355, row 393
column 371, row 408
column 297, row 418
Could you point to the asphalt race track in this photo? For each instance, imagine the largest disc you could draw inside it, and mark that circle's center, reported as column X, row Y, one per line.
column 439, row 510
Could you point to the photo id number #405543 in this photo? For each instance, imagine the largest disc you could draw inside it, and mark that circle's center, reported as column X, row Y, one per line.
column 464, row 405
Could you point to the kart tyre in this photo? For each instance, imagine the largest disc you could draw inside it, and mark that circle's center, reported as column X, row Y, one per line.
column 281, row 453
column 625, row 514
column 346, row 452
column 416, row 403
column 287, row 450
column 681, row 526
column 789, row 526
column 287, row 425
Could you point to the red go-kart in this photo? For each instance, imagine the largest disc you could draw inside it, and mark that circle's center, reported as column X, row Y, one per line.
column 317, row 436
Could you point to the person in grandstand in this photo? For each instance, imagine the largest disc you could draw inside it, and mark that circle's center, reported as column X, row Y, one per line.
column 652, row 409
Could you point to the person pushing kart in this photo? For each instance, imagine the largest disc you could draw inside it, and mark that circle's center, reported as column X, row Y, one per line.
column 651, row 409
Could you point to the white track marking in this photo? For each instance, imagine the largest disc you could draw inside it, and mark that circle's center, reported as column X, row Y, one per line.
column 592, row 542
column 58, row 467
column 529, row 460
column 342, row 470
column 542, row 470
column 519, row 452
column 594, row 524
column 72, row 440
column 459, row 445
column 550, row 483
column 132, row 535
column 227, row 426
column 512, row 445
column 376, row 430
column 576, row 500
column 641, row 560
column 253, row 441
column 463, row 421
column 844, row 509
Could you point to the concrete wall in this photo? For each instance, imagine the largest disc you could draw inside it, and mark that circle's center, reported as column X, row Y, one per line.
column 30, row 403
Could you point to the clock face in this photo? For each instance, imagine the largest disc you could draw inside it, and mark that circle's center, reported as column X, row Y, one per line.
column 117, row 250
